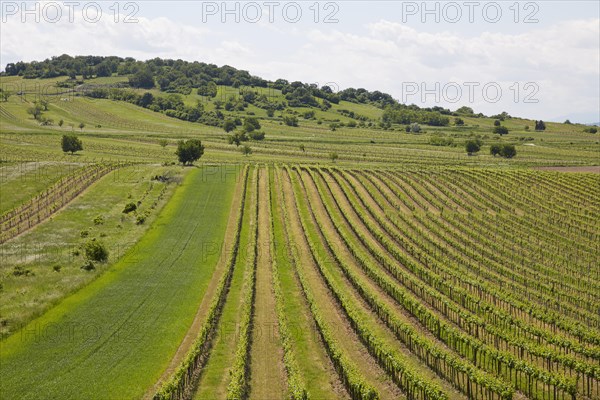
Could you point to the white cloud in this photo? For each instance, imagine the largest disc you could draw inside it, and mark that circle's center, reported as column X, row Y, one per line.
column 562, row 59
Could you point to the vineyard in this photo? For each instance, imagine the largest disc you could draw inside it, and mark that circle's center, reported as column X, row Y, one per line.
column 340, row 258
column 410, row 286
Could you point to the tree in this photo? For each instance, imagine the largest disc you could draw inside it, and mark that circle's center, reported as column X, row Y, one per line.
column 495, row 149
column 142, row 79
column 270, row 112
column 35, row 111
column 189, row 151
column 71, row 144
column 567, row 122
column 497, row 122
column 302, row 148
column 256, row 135
column 81, row 125
column 251, row 124
column 501, row 130
column 5, row 94
column 146, row 99
column 229, row 125
column 459, row 122
column 465, row 110
column 472, row 147
column 246, row 150
column 290, row 120
column 60, row 123
column 508, row 151
column 163, row 143
column 540, row 125
column 44, row 104
column 415, row 128
column 237, row 138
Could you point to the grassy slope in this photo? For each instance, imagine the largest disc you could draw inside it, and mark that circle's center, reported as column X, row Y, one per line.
column 114, row 338
column 118, row 130
column 53, row 242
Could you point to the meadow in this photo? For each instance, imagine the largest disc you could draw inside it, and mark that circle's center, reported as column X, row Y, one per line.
column 336, row 260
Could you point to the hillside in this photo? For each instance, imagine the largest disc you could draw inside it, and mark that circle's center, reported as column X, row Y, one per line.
column 326, row 244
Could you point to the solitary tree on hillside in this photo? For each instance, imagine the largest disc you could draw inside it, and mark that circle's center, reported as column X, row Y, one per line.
column 189, row 151
column 81, row 125
column 71, row 144
column 501, row 130
column 35, row 111
column 472, row 147
column 540, row 125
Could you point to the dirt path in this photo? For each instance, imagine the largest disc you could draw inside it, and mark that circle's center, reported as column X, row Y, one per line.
column 267, row 378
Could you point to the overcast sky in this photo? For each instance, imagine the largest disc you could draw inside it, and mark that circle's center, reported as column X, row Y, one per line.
column 533, row 59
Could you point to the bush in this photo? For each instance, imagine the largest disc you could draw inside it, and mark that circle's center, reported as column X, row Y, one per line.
column 472, row 146
column 56, row 268
column 508, row 151
column 501, row 130
column 21, row 271
column 129, row 207
column 290, row 120
column 256, row 135
column 495, row 149
column 95, row 251
column 71, row 144
column 99, row 220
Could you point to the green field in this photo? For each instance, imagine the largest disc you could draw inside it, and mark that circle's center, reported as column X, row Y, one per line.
column 145, row 301
column 402, row 268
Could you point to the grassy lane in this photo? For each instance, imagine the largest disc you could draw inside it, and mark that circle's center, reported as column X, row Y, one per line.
column 268, row 379
column 114, row 338
column 216, row 375
column 317, row 371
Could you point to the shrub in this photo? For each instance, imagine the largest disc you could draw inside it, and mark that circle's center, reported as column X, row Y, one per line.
column 508, row 151
column 95, row 251
column 21, row 271
column 129, row 207
column 495, row 149
column 99, row 220
column 501, row 130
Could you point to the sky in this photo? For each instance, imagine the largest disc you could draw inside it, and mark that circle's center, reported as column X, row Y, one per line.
column 534, row 59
